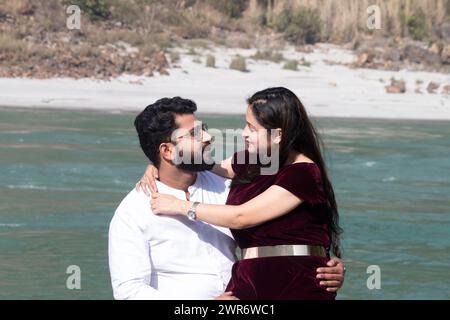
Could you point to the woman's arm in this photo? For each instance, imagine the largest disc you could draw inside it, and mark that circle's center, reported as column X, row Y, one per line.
column 272, row 203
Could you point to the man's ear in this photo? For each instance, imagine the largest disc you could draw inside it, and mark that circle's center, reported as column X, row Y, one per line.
column 278, row 136
column 166, row 151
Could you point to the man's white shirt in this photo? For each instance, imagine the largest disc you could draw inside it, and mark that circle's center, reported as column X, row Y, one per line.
column 170, row 257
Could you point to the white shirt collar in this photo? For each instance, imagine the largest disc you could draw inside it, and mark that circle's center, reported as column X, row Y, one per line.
column 180, row 194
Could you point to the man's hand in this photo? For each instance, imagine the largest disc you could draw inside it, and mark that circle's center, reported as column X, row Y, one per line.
column 226, row 296
column 332, row 276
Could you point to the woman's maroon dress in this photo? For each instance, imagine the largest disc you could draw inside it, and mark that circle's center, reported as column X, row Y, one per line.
column 282, row 277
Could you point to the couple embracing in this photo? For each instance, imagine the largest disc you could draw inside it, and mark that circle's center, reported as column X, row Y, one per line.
column 174, row 236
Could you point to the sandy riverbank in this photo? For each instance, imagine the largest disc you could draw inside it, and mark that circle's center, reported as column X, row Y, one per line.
column 327, row 90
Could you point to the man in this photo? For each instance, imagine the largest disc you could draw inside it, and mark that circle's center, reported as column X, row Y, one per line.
column 167, row 257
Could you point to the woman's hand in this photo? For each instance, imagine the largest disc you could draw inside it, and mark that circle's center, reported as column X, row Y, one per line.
column 147, row 182
column 168, row 204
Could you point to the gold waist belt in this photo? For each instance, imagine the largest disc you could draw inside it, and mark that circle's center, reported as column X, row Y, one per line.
column 284, row 250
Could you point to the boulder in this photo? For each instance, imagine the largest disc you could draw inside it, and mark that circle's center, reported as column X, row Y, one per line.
column 435, row 48
column 417, row 54
column 392, row 54
column 363, row 58
column 432, row 87
column 444, row 32
column 446, row 89
column 160, row 60
column 445, row 55
column 396, row 86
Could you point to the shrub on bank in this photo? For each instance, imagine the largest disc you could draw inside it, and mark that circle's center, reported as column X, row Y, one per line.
column 301, row 25
column 239, row 64
column 210, row 61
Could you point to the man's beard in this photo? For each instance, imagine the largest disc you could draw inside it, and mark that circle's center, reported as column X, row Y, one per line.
column 206, row 164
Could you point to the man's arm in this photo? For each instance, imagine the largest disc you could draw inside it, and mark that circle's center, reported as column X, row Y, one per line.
column 129, row 260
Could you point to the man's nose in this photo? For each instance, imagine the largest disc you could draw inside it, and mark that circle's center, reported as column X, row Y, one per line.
column 206, row 137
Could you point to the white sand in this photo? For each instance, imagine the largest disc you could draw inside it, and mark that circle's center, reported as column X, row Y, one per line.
column 326, row 90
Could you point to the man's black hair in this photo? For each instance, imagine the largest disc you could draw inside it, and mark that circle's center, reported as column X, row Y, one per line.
column 156, row 124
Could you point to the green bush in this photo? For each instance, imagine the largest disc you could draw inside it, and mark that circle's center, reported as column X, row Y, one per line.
column 301, row 25
column 192, row 51
column 263, row 3
column 291, row 65
column 268, row 55
column 231, row 8
column 282, row 21
column 95, row 9
column 10, row 44
column 174, row 57
column 417, row 26
column 414, row 26
column 192, row 25
column 239, row 64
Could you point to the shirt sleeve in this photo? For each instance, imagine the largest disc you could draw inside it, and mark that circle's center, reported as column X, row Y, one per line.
column 303, row 181
column 129, row 260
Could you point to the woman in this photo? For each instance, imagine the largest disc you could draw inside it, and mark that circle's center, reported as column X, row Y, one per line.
column 285, row 223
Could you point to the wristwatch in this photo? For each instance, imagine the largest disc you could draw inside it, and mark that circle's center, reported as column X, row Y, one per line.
column 192, row 213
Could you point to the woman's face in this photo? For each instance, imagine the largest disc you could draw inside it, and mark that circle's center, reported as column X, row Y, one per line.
column 257, row 139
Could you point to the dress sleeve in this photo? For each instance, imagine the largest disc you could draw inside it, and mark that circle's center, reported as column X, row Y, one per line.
column 239, row 163
column 302, row 180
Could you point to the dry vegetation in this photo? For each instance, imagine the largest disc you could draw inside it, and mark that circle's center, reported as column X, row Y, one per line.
column 133, row 36
column 342, row 20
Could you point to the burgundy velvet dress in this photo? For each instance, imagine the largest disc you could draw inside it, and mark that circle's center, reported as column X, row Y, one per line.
column 282, row 277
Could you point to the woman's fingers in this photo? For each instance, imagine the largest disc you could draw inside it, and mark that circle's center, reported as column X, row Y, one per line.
column 152, row 179
column 144, row 186
column 148, row 190
column 147, row 182
column 155, row 173
column 153, row 187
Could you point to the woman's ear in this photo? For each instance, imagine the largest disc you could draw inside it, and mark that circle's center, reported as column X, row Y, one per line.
column 278, row 136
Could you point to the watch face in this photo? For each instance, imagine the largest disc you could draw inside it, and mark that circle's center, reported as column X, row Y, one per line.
column 191, row 215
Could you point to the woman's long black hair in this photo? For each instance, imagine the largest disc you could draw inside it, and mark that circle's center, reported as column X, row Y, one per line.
column 281, row 108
